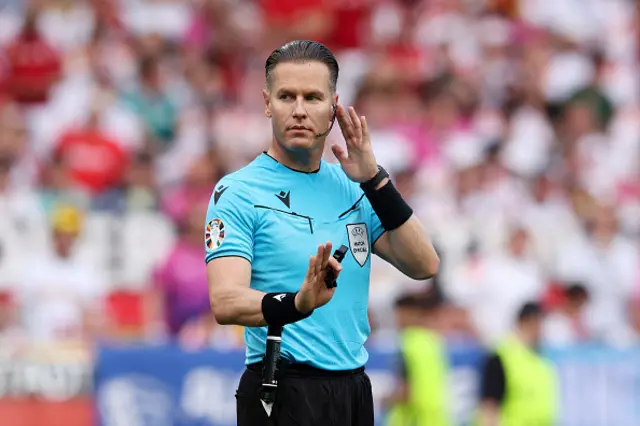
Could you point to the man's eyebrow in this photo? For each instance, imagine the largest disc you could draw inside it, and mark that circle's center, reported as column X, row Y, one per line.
column 314, row 92
column 317, row 93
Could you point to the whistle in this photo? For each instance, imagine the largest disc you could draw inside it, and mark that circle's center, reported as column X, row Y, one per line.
column 338, row 255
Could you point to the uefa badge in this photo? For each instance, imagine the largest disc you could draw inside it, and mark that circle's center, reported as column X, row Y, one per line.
column 359, row 242
column 214, row 234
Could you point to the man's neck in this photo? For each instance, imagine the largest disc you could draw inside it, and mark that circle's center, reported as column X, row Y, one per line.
column 303, row 161
column 63, row 255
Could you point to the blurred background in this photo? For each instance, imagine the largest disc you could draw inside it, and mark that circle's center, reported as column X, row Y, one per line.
column 511, row 126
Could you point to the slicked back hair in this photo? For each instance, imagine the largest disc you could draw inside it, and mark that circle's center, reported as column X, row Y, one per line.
column 303, row 51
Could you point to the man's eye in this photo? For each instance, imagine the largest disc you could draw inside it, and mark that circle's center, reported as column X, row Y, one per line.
column 312, row 98
column 285, row 97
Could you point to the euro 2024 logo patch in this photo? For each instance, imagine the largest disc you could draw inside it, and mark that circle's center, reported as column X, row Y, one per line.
column 214, row 234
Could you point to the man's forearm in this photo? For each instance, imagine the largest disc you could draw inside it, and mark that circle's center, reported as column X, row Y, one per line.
column 412, row 251
column 406, row 245
column 238, row 305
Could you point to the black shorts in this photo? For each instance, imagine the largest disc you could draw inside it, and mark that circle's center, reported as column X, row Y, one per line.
column 307, row 397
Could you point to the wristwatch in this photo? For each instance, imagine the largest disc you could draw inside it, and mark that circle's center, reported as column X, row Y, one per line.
column 373, row 183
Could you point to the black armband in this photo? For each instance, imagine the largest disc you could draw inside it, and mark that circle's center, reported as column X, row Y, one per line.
column 391, row 208
column 279, row 309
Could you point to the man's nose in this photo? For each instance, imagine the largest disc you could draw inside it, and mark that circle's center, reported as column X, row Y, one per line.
column 299, row 110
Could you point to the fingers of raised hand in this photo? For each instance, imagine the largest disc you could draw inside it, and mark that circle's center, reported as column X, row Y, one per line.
column 365, row 129
column 327, row 254
column 335, row 265
column 311, row 270
column 345, row 123
column 357, row 125
column 319, row 261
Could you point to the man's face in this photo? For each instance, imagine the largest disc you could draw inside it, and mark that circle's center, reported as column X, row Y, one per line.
column 299, row 102
column 605, row 224
column 410, row 316
column 536, row 330
column 518, row 242
column 63, row 243
column 577, row 302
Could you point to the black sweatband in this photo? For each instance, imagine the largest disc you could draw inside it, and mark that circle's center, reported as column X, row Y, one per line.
column 279, row 309
column 391, row 208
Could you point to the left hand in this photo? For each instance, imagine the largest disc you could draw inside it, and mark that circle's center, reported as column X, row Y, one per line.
column 358, row 161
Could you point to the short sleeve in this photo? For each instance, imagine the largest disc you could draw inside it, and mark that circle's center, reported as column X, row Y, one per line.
column 374, row 222
column 492, row 385
column 230, row 222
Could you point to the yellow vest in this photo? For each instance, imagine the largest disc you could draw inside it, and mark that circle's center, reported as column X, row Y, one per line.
column 427, row 372
column 530, row 389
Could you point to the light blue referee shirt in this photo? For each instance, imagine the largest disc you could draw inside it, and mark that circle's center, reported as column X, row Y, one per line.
column 275, row 217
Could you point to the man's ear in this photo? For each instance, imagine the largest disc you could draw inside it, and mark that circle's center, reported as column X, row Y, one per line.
column 267, row 103
column 335, row 99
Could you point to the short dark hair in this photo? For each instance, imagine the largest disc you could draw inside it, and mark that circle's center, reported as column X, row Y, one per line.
column 301, row 51
column 576, row 291
column 424, row 301
column 407, row 300
column 529, row 311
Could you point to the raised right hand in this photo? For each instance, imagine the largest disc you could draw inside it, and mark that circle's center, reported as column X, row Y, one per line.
column 314, row 292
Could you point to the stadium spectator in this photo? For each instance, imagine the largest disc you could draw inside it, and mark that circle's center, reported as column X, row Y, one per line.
column 512, row 277
column 180, row 289
column 62, row 298
column 12, row 337
column 141, row 186
column 34, row 64
column 567, row 325
column 606, row 261
column 151, row 102
column 93, row 161
column 628, row 335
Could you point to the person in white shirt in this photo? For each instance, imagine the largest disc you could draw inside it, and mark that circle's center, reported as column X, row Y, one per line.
column 61, row 298
column 509, row 279
column 606, row 262
column 628, row 335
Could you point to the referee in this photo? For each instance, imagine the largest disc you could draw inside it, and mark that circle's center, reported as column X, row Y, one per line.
column 270, row 231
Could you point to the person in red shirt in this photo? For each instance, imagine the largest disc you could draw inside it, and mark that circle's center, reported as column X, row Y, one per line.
column 33, row 65
column 92, row 159
column 351, row 21
column 296, row 19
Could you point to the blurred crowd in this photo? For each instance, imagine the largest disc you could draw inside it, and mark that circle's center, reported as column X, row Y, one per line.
column 512, row 126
